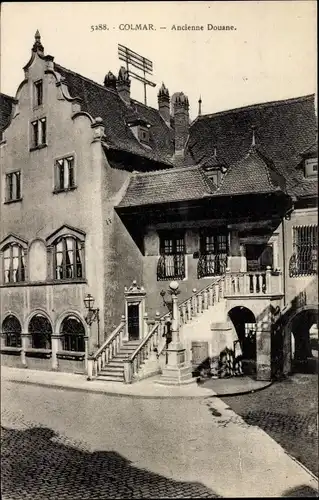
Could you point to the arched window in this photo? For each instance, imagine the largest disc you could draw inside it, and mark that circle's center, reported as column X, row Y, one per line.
column 13, row 263
column 41, row 330
column 68, row 258
column 72, row 332
column 12, row 329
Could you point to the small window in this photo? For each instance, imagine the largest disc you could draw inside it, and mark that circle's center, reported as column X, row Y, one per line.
column 64, row 174
column 38, row 93
column 144, row 135
column 311, row 167
column 171, row 264
column 38, row 133
column 13, row 263
column 304, row 260
column 68, row 258
column 13, row 186
column 213, row 254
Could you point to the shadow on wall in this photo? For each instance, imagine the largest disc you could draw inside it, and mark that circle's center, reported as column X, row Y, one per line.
column 301, row 491
column 37, row 463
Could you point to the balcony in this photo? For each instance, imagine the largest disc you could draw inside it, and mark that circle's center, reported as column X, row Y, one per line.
column 253, row 284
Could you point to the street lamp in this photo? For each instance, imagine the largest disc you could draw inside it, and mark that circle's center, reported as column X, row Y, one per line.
column 93, row 314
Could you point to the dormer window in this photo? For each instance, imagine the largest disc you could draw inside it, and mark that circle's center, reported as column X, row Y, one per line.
column 311, row 167
column 38, row 93
column 143, row 134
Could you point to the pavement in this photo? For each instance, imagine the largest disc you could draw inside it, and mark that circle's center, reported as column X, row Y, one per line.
column 146, row 388
column 61, row 443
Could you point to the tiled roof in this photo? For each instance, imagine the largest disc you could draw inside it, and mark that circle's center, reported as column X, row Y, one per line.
column 284, row 129
column 177, row 184
column 5, row 109
column 252, row 174
column 106, row 103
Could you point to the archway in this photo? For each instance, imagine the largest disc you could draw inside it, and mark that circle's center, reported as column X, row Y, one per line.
column 304, row 336
column 244, row 322
column 41, row 331
column 72, row 332
column 11, row 327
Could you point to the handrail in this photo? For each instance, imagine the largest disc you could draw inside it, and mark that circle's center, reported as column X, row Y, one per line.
column 108, row 340
column 144, row 342
column 105, row 353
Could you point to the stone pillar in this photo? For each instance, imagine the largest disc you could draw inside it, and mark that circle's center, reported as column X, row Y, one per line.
column 86, row 356
column 55, row 344
column 177, row 370
column 25, row 344
column 263, row 346
column 287, row 350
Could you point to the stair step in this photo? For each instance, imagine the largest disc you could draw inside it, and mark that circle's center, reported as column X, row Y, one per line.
column 115, row 363
column 110, row 378
column 113, row 369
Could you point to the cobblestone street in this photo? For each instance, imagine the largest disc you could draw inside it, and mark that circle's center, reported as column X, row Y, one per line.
column 287, row 411
column 66, row 444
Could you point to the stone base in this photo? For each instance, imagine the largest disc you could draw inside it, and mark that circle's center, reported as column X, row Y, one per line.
column 176, row 375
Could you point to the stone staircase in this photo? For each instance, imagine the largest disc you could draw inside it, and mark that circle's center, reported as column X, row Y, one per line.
column 114, row 370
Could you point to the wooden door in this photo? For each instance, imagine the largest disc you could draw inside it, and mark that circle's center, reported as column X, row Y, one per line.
column 133, row 321
column 199, row 354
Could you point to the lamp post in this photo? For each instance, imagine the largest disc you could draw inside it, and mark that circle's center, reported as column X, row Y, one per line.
column 177, row 370
column 93, row 314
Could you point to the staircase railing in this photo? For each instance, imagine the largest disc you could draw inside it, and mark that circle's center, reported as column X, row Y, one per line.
column 188, row 309
column 253, row 283
column 107, row 351
column 145, row 350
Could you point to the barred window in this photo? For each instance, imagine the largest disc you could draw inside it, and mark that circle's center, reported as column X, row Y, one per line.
column 304, row 260
column 213, row 254
column 171, row 264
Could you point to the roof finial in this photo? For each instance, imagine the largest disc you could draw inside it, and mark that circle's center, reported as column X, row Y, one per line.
column 200, row 105
column 253, row 141
column 215, row 151
column 37, row 46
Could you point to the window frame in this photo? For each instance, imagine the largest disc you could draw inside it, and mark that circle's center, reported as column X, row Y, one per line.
column 37, row 93
column 38, row 133
column 310, row 163
column 21, row 257
column 212, row 249
column 11, row 197
column 176, row 248
column 77, row 250
column 68, row 166
column 304, row 247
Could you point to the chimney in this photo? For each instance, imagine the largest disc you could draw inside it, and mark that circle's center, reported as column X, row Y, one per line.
column 163, row 104
column 110, row 81
column 181, row 124
column 123, row 85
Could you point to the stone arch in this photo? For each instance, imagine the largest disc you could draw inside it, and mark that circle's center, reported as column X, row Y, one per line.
column 11, row 327
column 245, row 325
column 304, row 342
column 39, row 325
column 65, row 314
column 72, row 331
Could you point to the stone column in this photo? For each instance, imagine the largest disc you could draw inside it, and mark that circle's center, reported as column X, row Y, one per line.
column 263, row 346
column 25, row 343
column 177, row 371
column 55, row 344
column 287, row 350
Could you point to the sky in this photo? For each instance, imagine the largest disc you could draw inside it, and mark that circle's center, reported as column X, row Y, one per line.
column 271, row 54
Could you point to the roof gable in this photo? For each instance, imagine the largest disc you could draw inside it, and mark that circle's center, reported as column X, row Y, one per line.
column 105, row 102
column 6, row 103
column 283, row 130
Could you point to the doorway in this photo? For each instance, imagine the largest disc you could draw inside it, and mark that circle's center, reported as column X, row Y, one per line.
column 304, row 333
column 244, row 322
column 133, row 321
